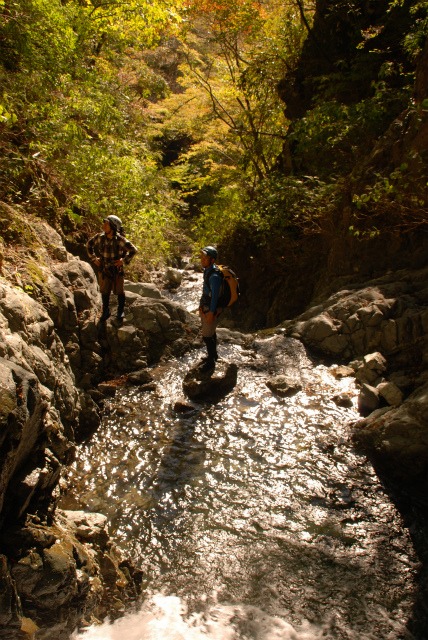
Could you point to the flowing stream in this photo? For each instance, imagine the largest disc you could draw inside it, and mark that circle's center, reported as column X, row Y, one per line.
column 252, row 518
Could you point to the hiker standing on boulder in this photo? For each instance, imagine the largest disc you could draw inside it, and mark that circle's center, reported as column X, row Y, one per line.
column 209, row 309
column 109, row 251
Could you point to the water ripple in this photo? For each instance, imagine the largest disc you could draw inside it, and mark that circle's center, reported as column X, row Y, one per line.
column 261, row 495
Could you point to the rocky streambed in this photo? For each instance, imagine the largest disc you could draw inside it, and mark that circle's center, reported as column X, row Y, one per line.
column 244, row 503
column 59, row 368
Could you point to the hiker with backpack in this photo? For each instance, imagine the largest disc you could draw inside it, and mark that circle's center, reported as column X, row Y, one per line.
column 209, row 309
column 220, row 289
column 109, row 251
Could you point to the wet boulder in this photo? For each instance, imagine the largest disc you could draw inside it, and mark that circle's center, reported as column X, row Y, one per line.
column 210, row 387
column 370, row 368
column 396, row 438
column 387, row 315
column 284, row 385
column 143, row 289
column 184, row 408
column 368, row 399
column 343, row 400
column 87, row 526
column 390, row 393
column 140, row 377
column 173, row 278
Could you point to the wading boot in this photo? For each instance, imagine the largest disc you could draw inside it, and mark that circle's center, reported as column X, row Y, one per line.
column 214, row 351
column 120, row 307
column 106, row 308
column 209, row 363
column 215, row 347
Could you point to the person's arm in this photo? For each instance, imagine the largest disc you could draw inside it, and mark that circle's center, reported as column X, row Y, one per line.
column 131, row 250
column 205, row 301
column 91, row 247
column 215, row 286
column 127, row 251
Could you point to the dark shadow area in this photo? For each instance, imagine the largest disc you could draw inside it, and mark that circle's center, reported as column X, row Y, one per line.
column 413, row 507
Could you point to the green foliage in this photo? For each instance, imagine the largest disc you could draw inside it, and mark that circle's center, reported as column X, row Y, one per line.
column 72, row 88
column 6, row 117
column 220, row 135
column 236, row 53
column 415, row 39
column 288, row 204
column 155, row 231
column 281, row 205
column 37, row 35
column 220, row 219
column 364, row 233
column 397, row 198
column 92, row 123
column 327, row 140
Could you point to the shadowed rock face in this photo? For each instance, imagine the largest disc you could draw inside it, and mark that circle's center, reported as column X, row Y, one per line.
column 61, row 574
column 336, row 46
column 396, row 438
column 56, row 568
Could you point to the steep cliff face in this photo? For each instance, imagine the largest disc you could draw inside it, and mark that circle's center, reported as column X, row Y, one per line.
column 59, row 568
column 365, row 233
column 281, row 281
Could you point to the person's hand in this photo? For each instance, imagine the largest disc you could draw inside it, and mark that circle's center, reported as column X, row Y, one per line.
column 97, row 262
column 118, row 263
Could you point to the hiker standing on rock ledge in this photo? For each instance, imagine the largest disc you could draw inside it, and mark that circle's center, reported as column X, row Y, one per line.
column 109, row 251
column 209, row 308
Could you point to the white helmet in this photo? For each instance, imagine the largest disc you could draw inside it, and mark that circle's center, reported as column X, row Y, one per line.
column 115, row 223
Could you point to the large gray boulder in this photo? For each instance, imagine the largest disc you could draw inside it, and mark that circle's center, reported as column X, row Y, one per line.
column 153, row 329
column 396, row 438
column 388, row 315
column 143, row 289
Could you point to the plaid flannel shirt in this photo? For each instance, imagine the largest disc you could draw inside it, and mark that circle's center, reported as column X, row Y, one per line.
column 110, row 249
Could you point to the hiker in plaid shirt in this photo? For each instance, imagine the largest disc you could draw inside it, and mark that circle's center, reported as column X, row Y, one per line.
column 109, row 251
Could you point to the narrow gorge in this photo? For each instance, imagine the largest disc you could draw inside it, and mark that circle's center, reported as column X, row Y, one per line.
column 61, row 369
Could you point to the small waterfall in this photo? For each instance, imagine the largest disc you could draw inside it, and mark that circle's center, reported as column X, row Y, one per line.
column 165, row 617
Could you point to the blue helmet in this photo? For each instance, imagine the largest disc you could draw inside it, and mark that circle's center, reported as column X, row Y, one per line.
column 210, row 251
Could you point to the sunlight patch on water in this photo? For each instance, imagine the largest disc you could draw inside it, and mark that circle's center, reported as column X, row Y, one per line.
column 262, row 493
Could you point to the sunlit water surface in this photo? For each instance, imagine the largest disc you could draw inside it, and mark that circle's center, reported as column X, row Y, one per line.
column 251, row 518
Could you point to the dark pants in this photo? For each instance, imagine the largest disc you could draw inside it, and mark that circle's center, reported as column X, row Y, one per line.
column 111, row 282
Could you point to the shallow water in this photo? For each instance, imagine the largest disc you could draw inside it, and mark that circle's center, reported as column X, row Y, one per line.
column 251, row 518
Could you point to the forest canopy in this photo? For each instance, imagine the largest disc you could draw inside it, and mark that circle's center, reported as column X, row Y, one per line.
column 192, row 119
